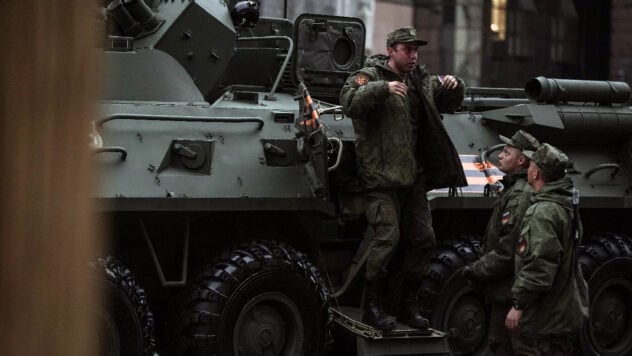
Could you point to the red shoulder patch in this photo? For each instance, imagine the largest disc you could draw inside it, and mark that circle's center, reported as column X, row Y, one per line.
column 361, row 79
column 522, row 246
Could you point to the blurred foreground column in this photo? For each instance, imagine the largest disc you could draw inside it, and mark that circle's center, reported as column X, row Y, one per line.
column 47, row 90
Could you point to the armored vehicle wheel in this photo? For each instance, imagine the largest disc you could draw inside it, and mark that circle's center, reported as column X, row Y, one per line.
column 125, row 323
column 456, row 307
column 607, row 266
column 264, row 298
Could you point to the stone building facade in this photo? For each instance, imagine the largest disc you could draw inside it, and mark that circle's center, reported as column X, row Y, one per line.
column 621, row 41
column 499, row 43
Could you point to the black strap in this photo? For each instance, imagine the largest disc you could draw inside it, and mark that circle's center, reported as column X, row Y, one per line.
column 575, row 217
column 575, row 229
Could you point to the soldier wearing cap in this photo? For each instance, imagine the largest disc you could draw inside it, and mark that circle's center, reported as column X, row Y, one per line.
column 402, row 150
column 493, row 272
column 550, row 296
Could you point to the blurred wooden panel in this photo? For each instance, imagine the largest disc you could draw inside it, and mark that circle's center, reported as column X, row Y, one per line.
column 47, row 99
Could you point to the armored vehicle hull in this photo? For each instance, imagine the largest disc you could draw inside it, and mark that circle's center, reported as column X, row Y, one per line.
column 233, row 202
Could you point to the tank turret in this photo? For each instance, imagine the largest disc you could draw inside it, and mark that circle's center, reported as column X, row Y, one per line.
column 199, row 35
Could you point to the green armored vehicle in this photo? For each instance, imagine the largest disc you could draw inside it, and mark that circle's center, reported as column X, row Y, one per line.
column 227, row 177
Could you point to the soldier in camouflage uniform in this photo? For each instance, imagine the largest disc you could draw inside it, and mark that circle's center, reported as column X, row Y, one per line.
column 494, row 270
column 550, row 296
column 402, row 151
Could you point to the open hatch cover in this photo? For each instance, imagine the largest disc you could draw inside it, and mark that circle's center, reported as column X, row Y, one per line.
column 327, row 49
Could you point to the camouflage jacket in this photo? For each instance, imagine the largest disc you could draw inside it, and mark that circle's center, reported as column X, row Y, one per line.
column 397, row 137
column 496, row 267
column 548, row 278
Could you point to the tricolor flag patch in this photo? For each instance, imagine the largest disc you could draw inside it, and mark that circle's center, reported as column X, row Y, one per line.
column 505, row 217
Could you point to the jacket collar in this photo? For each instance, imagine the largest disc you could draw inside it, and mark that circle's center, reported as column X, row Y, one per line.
column 511, row 179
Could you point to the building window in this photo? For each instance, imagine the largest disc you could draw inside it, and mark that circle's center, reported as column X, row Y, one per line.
column 520, row 34
column 563, row 37
column 498, row 23
column 519, row 38
column 557, row 40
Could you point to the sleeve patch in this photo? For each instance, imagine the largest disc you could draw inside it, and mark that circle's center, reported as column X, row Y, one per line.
column 506, row 217
column 361, row 79
column 522, row 246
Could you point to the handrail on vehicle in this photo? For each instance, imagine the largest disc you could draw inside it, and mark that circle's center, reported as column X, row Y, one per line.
column 488, row 151
column 285, row 62
column 615, row 169
column 103, row 120
column 115, row 149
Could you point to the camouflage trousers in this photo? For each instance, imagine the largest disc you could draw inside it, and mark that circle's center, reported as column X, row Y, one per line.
column 553, row 346
column 394, row 213
column 500, row 339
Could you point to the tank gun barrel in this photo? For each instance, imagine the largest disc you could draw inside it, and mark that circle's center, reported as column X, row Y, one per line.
column 551, row 90
column 577, row 122
column 558, row 111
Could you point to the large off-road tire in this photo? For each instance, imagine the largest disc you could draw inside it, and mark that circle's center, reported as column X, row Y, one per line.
column 124, row 320
column 262, row 298
column 607, row 266
column 452, row 304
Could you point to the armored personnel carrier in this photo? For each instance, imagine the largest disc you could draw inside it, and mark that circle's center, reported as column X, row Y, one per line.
column 227, row 177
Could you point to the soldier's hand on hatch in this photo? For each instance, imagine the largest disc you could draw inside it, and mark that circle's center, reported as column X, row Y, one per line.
column 448, row 82
column 397, row 88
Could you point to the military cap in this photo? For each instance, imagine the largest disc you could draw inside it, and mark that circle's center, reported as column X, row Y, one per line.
column 404, row 35
column 521, row 140
column 551, row 161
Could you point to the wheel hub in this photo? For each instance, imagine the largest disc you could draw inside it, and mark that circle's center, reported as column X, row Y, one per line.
column 466, row 324
column 609, row 316
column 268, row 325
column 262, row 328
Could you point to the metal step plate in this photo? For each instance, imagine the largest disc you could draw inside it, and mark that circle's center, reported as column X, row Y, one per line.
column 404, row 340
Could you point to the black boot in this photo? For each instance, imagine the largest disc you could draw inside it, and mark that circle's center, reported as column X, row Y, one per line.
column 373, row 313
column 409, row 313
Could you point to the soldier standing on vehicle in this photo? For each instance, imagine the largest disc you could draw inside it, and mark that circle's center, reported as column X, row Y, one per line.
column 550, row 296
column 494, row 270
column 402, row 150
